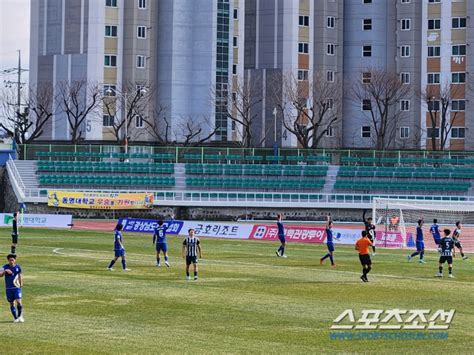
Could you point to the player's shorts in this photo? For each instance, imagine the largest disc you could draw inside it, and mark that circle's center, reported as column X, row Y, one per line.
column 282, row 238
column 14, row 238
column 371, row 237
column 437, row 241
column 330, row 247
column 443, row 259
column 458, row 244
column 420, row 246
column 365, row 259
column 161, row 247
column 191, row 260
column 119, row 252
column 13, row 294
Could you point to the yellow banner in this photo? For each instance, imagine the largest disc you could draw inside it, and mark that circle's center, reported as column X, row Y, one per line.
column 100, row 200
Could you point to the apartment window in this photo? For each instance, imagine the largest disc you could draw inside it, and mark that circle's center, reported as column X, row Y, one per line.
column 331, row 22
column 404, row 132
column 110, row 90
column 459, row 49
column 111, row 3
column 405, row 51
column 433, row 106
column 330, row 132
column 304, row 21
column 141, row 31
column 405, row 1
column 405, row 24
column 303, row 47
column 366, row 77
column 236, row 14
column 459, row 22
column 330, row 76
column 431, row 131
column 141, row 90
column 367, row 51
column 234, row 69
column 434, row 51
column 434, row 24
column 235, row 41
column 433, row 1
column 367, row 24
column 141, row 59
column 433, row 78
column 108, row 120
column 458, row 105
column 367, row 1
column 405, row 105
column 330, row 48
column 458, row 132
column 457, row 78
column 330, row 104
column 110, row 31
column 142, row 4
column 405, row 78
column 365, row 131
column 302, row 75
column 110, row 60
column 366, row 105
column 139, row 121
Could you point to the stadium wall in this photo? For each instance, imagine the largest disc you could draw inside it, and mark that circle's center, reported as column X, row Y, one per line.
column 2, row 189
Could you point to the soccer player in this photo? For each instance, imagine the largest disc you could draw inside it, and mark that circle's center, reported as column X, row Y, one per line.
column 14, row 233
column 420, row 244
column 362, row 246
column 447, row 253
column 118, row 249
column 13, row 284
column 370, row 229
column 191, row 250
column 329, row 243
column 159, row 237
column 281, row 236
column 434, row 230
column 457, row 243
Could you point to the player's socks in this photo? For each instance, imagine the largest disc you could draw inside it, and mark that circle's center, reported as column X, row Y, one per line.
column 326, row 256
column 167, row 262
column 450, row 269
column 462, row 255
column 282, row 251
column 157, row 261
column 13, row 249
column 124, row 264
column 20, row 309
column 111, row 264
column 195, row 275
column 422, row 255
column 440, row 270
column 187, row 273
column 414, row 254
column 13, row 310
column 332, row 259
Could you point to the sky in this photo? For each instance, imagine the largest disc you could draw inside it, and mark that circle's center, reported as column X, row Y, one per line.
column 14, row 35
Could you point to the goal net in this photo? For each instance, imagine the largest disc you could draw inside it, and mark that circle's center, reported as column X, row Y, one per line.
column 396, row 220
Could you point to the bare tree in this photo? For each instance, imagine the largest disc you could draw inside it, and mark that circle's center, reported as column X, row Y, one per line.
column 196, row 132
column 379, row 91
column 29, row 124
column 240, row 106
column 77, row 100
column 439, row 99
column 309, row 108
column 157, row 125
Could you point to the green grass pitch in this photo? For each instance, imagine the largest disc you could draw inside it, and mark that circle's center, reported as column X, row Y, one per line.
column 246, row 301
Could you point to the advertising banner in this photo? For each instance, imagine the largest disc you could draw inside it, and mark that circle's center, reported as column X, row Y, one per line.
column 137, row 225
column 389, row 239
column 293, row 233
column 100, row 200
column 38, row 220
column 218, row 229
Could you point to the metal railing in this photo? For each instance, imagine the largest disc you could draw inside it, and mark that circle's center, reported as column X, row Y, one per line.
column 17, row 180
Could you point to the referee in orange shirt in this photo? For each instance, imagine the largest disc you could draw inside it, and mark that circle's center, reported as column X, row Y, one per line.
column 362, row 246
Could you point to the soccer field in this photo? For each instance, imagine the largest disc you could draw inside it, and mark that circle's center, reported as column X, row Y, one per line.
column 246, row 300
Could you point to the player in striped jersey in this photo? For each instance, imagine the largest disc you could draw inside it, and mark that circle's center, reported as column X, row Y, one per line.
column 447, row 252
column 457, row 242
column 191, row 251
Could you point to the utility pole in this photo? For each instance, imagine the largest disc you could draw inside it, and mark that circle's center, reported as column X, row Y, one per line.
column 8, row 83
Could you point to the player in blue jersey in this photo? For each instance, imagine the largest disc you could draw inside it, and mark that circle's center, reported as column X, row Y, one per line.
column 13, row 284
column 420, row 244
column 191, row 251
column 434, row 230
column 118, row 249
column 329, row 243
column 159, row 240
column 447, row 252
column 281, row 236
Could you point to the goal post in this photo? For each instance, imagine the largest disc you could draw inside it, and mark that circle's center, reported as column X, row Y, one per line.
column 400, row 217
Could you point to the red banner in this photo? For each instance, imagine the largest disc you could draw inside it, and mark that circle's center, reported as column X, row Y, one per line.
column 389, row 239
column 293, row 233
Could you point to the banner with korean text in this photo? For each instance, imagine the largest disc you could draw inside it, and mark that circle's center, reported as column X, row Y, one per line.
column 293, row 233
column 100, row 200
column 38, row 220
